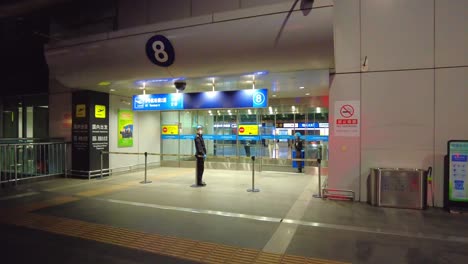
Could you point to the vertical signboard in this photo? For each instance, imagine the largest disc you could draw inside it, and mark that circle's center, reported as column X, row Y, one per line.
column 347, row 119
column 457, row 167
column 90, row 131
column 125, row 125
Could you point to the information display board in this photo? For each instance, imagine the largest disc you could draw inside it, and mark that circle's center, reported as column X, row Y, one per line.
column 458, row 171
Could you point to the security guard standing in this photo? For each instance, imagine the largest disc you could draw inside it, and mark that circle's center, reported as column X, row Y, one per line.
column 200, row 155
column 299, row 146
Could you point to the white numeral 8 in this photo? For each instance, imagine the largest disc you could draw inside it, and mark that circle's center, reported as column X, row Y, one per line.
column 258, row 98
column 158, row 48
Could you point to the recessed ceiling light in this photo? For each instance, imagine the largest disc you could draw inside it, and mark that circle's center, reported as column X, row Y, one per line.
column 274, row 95
column 307, row 93
column 302, row 87
column 104, row 83
column 112, row 90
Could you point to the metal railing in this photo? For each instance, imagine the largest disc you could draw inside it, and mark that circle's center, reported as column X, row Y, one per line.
column 23, row 161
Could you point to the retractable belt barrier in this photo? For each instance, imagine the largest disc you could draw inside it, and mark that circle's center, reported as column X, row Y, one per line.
column 253, row 189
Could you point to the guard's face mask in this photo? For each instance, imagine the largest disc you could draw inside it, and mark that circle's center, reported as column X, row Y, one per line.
column 200, row 132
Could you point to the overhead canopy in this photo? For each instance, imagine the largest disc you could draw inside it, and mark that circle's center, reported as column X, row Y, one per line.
column 273, row 43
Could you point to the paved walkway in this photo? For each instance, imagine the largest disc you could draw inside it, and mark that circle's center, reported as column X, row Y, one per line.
column 120, row 220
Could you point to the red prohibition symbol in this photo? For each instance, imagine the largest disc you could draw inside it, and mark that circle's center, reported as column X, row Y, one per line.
column 347, row 111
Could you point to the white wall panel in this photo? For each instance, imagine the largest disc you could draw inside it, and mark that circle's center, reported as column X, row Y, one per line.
column 203, row 7
column 346, row 28
column 397, row 120
column 450, row 119
column 451, row 33
column 398, row 110
column 344, row 152
column 397, row 34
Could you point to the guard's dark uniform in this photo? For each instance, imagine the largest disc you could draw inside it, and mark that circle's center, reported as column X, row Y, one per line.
column 299, row 146
column 201, row 152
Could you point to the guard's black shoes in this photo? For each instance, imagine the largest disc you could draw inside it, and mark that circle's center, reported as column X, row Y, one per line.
column 201, row 184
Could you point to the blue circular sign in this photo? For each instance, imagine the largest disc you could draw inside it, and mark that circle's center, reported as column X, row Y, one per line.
column 160, row 51
column 258, row 98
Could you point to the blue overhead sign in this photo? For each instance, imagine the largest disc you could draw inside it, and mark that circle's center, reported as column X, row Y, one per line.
column 252, row 98
column 157, row 102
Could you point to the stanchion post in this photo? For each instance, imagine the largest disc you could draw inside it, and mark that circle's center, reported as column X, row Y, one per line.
column 65, row 160
column 16, row 165
column 102, row 163
column 319, row 195
column 146, row 169
column 253, row 177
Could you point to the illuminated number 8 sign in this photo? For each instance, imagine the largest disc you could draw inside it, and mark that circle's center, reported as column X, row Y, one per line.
column 160, row 51
column 258, row 99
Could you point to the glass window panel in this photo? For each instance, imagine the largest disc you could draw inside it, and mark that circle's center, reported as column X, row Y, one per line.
column 170, row 146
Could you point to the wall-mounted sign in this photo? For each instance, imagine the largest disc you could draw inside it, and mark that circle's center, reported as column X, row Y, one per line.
column 250, row 98
column 80, row 110
column 170, row 130
column 248, row 130
column 347, row 119
column 125, row 125
column 160, row 51
column 458, row 171
column 100, row 111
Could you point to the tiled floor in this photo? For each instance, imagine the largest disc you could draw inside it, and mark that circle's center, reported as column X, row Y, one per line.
column 280, row 224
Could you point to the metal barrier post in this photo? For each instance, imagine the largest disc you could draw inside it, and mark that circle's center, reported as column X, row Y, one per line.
column 253, row 177
column 16, row 166
column 102, row 163
column 65, row 159
column 319, row 195
column 146, row 169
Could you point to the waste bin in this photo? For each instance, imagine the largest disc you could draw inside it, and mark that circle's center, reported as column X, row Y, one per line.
column 397, row 187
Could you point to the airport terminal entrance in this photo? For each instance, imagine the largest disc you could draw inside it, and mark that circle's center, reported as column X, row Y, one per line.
column 232, row 136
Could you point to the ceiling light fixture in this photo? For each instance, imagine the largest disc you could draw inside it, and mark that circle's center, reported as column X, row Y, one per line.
column 104, row 83
column 307, row 93
column 112, row 90
column 302, row 87
column 274, row 95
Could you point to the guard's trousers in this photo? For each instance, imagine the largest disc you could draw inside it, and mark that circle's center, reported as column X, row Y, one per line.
column 200, row 169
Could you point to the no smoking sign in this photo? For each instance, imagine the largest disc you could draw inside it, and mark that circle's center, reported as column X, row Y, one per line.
column 347, row 119
column 347, row 111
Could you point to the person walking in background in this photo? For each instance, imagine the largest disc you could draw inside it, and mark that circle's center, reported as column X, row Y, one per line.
column 299, row 146
column 200, row 155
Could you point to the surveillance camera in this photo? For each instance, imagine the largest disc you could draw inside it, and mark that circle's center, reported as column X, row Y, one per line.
column 180, row 85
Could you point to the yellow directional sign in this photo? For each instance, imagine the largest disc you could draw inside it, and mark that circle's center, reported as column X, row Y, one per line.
column 246, row 130
column 80, row 110
column 170, row 130
column 100, row 111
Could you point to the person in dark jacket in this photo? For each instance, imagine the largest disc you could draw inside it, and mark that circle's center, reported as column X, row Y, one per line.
column 299, row 146
column 200, row 155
